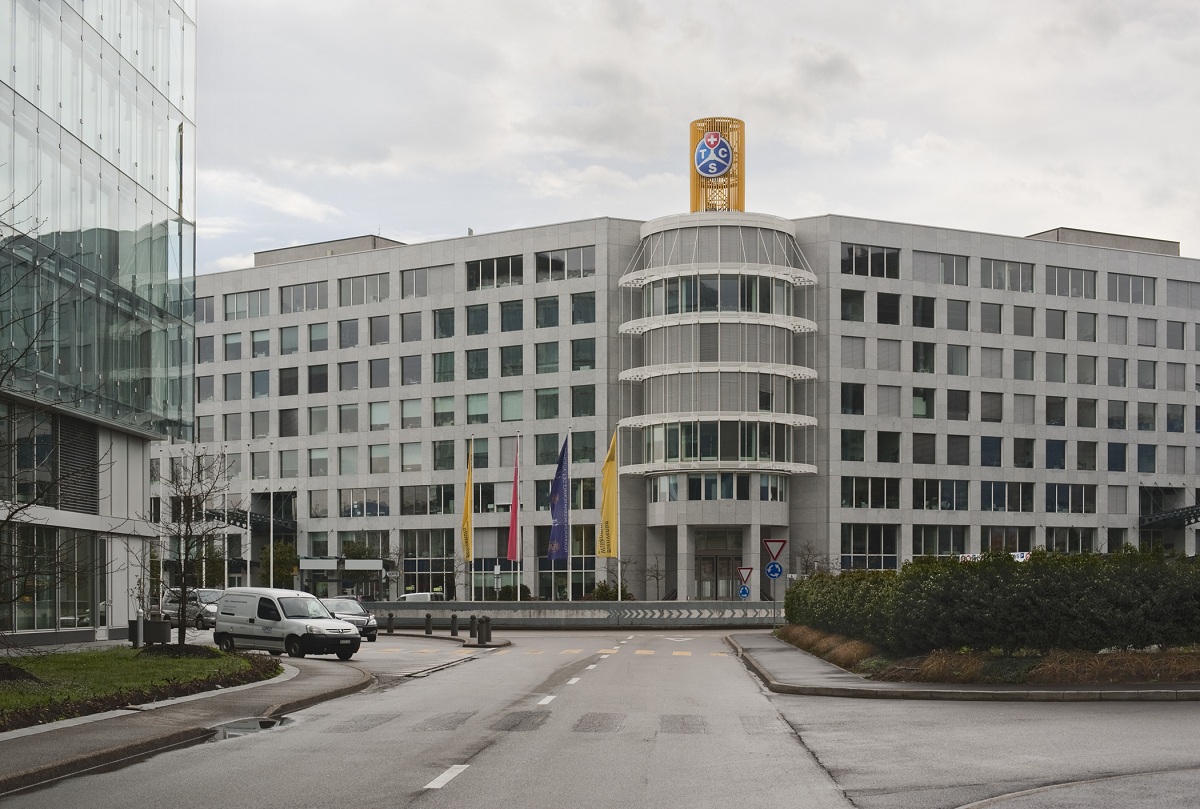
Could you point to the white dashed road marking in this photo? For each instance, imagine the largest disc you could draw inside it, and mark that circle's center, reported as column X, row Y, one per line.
column 445, row 778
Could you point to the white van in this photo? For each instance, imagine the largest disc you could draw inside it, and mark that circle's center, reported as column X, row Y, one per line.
column 421, row 597
column 278, row 621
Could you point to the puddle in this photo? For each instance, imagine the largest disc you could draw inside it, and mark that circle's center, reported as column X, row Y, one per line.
column 244, row 727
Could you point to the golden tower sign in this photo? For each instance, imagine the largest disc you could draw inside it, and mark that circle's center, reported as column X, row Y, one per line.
column 717, row 164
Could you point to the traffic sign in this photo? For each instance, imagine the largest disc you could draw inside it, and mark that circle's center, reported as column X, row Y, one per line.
column 745, row 572
column 775, row 546
column 774, row 570
column 744, row 591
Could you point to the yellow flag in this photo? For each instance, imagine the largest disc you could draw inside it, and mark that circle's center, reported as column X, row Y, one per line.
column 468, row 520
column 607, row 543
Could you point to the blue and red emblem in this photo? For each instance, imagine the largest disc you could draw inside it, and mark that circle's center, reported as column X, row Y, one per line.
column 714, row 156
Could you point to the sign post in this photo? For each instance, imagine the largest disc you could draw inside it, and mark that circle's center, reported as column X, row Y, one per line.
column 774, row 570
column 744, row 575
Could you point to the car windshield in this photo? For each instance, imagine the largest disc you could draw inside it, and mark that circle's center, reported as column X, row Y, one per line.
column 210, row 596
column 347, row 605
column 294, row 607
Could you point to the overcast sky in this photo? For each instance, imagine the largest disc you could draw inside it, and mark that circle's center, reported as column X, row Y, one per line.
column 416, row 120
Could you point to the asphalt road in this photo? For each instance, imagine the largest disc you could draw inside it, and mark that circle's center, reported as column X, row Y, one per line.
column 597, row 719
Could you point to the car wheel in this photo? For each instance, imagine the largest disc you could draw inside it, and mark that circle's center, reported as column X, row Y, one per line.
column 225, row 643
column 199, row 622
column 294, row 647
column 371, row 639
column 345, row 654
column 276, row 654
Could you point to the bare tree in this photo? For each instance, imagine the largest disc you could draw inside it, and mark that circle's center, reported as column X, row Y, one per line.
column 656, row 572
column 810, row 558
column 192, row 522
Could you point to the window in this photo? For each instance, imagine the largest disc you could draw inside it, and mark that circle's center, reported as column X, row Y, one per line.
column 939, row 540
column 958, row 450
column 380, row 415
column 477, row 408
column 853, row 305
column 957, row 362
column 583, row 447
column 1073, row 498
column 512, row 405
column 1175, row 418
column 1023, row 321
column 1116, row 415
column 1085, row 456
column 318, row 420
column 853, row 397
column 512, row 316
column 477, row 319
column 1056, row 454
column 1070, row 283
column 1022, row 365
column 990, row 450
column 865, row 492
column 940, row 495
column 204, row 310
column 991, row 363
column 991, row 407
column 347, row 333
column 939, row 268
column 289, row 463
column 260, row 384
column 1056, row 367
column 443, row 411
column 887, row 308
column 1175, row 330
column 869, row 546
column 1023, row 453
column 1128, row 288
column 347, row 376
column 410, row 370
column 289, row 381
column 583, row 401
column 1056, row 411
column 477, row 363
column 348, row 460
column 958, row 315
column 958, row 405
column 546, row 403
column 318, row 378
column 233, row 387
column 443, row 455
column 233, row 427
column 443, row 323
column 852, row 445
column 379, row 372
column 512, row 360
column 410, row 413
column 1085, row 370
column 443, row 366
column 546, row 312
column 489, row 273
column 1013, row 276
column 380, row 329
column 410, row 457
column 233, row 346
column 923, row 358
column 887, row 447
column 854, row 352
column 990, row 318
column 1085, row 412
column 289, row 340
column 204, row 350
column 304, row 297
column 1085, row 327
column 1056, row 324
column 583, row 354
column 241, row 305
column 1176, row 376
column 379, row 457
column 414, row 283
column 923, row 403
column 363, row 289
column 547, row 357
column 887, row 400
column 204, row 389
column 260, row 465
column 1147, row 374
column 583, row 308
column 924, row 448
column 1116, row 372
column 1116, row 457
column 348, row 418
column 923, row 312
column 1147, row 331
column 876, row 262
column 318, row 506
column 999, row 495
column 546, row 448
column 561, row 265
column 1146, row 416
column 205, row 427
column 887, row 354
column 318, row 336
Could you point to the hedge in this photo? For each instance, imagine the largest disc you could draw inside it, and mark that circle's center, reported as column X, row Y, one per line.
column 1131, row 599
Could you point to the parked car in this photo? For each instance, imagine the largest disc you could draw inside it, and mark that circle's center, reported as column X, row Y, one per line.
column 201, row 610
column 422, row 597
column 350, row 610
column 278, row 621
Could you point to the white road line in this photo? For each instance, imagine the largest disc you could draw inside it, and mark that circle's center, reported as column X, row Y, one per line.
column 445, row 778
column 546, row 700
column 593, row 665
column 572, row 681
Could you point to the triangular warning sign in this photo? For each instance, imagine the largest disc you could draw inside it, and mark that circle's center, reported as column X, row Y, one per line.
column 775, row 547
column 745, row 572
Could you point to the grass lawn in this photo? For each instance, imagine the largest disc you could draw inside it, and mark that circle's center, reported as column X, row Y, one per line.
column 45, row 687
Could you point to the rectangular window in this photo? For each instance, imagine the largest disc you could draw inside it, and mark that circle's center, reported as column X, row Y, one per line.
column 477, row 319
column 1129, row 288
column 289, row 381
column 410, row 413
column 866, row 260
column 477, row 363
column 477, row 408
column 546, row 312
column 561, row 265
column 1175, row 331
column 923, row 358
column 512, row 405
column 443, row 455
column 583, row 308
column 887, row 447
column 348, row 460
column 990, row 318
column 242, row 305
column 547, row 357
column 923, row 406
column 853, row 398
column 380, row 456
column 583, row 354
column 443, row 366
column 1147, row 374
column 546, row 448
column 304, row 297
column 347, row 376
column 289, row 340
column 958, row 405
column 1085, row 370
column 512, row 360
column 318, row 336
column 1085, row 456
column 1146, row 416
column 546, row 403
column 923, row 312
column 583, row 447
column 348, row 418
column 853, row 305
column 512, row 316
column 1117, row 455
column 443, row 323
column 205, row 310
column 490, row 273
column 1116, row 415
column 415, row 283
column 363, row 289
column 991, row 407
column 924, row 448
column 1013, row 276
column 887, row 308
column 1022, row 365
column 1056, row 324
column 1147, row 331
column 260, row 384
column 1056, row 411
column 410, row 370
column 958, row 315
column 410, row 457
column 1085, row 412
column 318, row 506
column 1085, row 327
column 852, row 445
column 1069, row 283
column 232, row 387
column 443, row 411
column 940, row 268
column 260, row 343
column 347, row 333
column 990, row 450
column 1056, row 367
column 318, row 420
column 380, row 415
column 940, row 495
column 378, row 370
column 583, row 401
column 957, row 360
column 1023, row 321
column 233, row 427
column 1023, row 453
column 233, row 347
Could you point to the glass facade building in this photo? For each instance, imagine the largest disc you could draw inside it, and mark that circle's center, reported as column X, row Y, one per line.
column 97, row 235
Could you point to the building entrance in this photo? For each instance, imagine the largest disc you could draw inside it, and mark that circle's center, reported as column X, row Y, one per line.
column 718, row 556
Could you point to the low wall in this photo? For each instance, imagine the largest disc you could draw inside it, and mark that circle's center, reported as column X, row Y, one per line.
column 582, row 614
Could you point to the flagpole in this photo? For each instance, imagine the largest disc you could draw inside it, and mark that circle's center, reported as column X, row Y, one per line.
column 617, row 495
column 570, row 584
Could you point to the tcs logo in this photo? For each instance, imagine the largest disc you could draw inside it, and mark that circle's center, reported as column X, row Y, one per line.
column 714, row 156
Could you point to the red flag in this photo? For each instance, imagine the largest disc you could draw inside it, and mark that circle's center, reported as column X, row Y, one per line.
column 514, row 552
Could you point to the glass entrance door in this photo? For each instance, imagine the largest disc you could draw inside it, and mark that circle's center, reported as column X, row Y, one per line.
column 717, row 577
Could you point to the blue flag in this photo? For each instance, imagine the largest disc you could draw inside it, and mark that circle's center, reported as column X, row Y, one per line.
column 560, row 521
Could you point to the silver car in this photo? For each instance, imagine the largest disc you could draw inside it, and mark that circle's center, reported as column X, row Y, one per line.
column 201, row 610
column 350, row 610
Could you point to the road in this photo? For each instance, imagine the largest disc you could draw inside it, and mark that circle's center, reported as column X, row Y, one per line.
column 655, row 719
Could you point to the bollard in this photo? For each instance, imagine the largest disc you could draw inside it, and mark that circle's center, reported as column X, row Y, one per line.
column 454, row 624
column 139, row 641
column 391, row 623
column 428, row 624
column 485, row 630
column 474, row 626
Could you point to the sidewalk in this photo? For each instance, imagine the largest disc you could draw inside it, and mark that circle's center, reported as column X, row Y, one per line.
column 787, row 670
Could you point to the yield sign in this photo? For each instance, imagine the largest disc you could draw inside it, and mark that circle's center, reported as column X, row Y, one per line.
column 775, row 547
column 745, row 572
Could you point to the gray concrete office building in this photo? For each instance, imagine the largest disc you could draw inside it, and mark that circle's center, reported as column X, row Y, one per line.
column 868, row 391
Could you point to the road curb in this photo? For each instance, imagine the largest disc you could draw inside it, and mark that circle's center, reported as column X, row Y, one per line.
column 870, row 690
column 282, row 708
